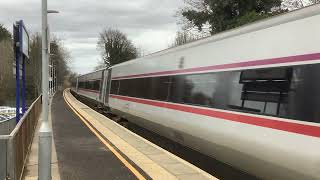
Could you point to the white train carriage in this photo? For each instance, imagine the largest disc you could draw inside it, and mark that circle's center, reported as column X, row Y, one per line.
column 92, row 85
column 248, row 97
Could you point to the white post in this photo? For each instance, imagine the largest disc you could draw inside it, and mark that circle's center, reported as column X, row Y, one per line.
column 54, row 79
column 45, row 133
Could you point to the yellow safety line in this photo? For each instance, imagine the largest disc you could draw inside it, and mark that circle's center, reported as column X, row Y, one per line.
column 122, row 159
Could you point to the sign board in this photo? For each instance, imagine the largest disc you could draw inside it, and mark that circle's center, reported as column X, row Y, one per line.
column 21, row 48
column 24, row 39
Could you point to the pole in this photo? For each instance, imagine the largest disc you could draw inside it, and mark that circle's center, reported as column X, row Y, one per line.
column 17, row 52
column 54, row 75
column 50, row 76
column 22, row 60
column 23, row 91
column 45, row 133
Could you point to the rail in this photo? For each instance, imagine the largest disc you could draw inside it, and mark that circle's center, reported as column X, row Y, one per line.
column 15, row 147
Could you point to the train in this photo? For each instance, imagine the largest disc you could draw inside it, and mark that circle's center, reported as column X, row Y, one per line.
column 248, row 97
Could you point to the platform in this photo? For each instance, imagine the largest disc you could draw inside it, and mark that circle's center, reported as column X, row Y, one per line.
column 90, row 146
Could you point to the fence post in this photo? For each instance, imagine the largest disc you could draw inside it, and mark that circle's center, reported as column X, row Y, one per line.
column 11, row 175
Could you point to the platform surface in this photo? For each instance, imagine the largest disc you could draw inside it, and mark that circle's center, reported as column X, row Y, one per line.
column 80, row 154
column 88, row 145
column 31, row 167
column 144, row 159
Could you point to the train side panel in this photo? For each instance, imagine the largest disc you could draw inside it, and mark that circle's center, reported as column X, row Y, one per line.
column 269, row 147
column 90, row 85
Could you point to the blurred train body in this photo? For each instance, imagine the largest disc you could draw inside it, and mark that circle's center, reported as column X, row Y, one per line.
column 249, row 97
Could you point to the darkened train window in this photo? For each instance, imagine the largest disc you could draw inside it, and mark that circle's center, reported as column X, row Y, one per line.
column 96, row 85
column 143, row 85
column 288, row 92
column 125, row 87
column 80, row 85
column 159, row 88
column 114, row 87
column 264, row 90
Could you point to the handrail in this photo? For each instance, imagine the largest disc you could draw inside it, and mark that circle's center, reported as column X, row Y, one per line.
column 14, row 131
column 19, row 141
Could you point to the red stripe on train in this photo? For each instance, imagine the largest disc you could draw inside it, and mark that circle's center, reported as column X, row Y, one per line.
column 304, row 129
column 279, row 60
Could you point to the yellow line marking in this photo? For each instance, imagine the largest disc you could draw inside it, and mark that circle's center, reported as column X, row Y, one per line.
column 122, row 159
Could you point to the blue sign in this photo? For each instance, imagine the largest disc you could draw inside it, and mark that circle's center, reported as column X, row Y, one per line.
column 21, row 48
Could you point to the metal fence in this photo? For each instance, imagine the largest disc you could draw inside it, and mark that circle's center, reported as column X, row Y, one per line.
column 7, row 126
column 15, row 147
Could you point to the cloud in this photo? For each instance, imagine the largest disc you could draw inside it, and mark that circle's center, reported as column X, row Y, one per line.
column 150, row 24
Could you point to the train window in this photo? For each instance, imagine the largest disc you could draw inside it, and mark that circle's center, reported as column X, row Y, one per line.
column 140, row 87
column 264, row 90
column 114, row 87
column 96, row 85
column 124, row 88
column 159, row 88
column 288, row 92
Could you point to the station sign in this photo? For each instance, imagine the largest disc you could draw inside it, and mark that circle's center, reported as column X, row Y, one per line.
column 25, row 40
column 21, row 48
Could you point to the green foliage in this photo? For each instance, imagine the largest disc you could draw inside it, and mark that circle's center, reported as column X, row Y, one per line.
column 116, row 47
column 222, row 15
column 4, row 33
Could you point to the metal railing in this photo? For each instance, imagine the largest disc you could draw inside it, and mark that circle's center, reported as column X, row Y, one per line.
column 16, row 145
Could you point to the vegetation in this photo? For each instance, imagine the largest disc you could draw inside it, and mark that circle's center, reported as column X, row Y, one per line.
column 7, row 85
column 115, row 47
column 213, row 16
column 183, row 37
column 4, row 33
column 222, row 15
column 60, row 57
column 33, row 66
column 297, row 4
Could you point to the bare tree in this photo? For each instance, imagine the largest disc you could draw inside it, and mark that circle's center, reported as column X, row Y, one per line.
column 297, row 4
column 101, row 64
column 115, row 47
column 7, row 91
column 33, row 67
column 61, row 58
column 4, row 33
column 183, row 37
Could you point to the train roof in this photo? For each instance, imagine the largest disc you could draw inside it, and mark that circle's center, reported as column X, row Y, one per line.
column 93, row 71
column 251, row 27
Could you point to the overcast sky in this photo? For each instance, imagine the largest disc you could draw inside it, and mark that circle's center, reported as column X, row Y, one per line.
column 150, row 24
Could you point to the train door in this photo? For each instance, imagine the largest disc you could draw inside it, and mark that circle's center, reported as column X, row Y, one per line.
column 107, row 82
column 101, row 87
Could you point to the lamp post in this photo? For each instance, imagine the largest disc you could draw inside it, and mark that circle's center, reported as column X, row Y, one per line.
column 45, row 132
